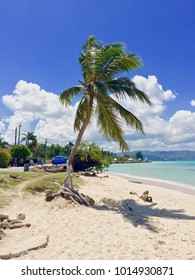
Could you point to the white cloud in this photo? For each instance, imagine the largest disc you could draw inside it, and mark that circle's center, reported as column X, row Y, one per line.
column 192, row 102
column 2, row 126
column 32, row 105
column 41, row 111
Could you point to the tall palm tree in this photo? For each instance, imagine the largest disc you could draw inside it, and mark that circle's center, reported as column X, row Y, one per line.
column 100, row 67
column 29, row 137
column 99, row 89
column 31, row 141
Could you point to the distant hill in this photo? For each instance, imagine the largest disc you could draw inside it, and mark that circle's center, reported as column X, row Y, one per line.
column 166, row 155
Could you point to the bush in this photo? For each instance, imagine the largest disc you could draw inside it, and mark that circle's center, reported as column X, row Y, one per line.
column 20, row 152
column 4, row 159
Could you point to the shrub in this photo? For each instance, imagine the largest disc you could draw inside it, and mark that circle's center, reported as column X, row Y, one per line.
column 20, row 152
column 4, row 159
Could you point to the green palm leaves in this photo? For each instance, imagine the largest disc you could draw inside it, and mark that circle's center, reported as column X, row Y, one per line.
column 101, row 87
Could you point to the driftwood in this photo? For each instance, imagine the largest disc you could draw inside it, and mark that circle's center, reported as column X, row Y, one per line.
column 3, row 217
column 15, row 176
column 19, row 226
column 54, row 170
column 6, row 223
column 68, row 192
column 17, row 255
column 145, row 197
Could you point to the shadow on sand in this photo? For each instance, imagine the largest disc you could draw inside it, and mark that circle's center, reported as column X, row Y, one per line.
column 139, row 214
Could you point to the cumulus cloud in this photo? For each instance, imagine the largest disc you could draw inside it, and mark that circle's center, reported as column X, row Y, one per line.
column 41, row 111
column 192, row 103
column 2, row 126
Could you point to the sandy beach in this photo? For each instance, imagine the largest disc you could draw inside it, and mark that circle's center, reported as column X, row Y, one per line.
column 119, row 226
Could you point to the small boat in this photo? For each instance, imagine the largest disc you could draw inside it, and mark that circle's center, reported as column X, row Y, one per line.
column 59, row 160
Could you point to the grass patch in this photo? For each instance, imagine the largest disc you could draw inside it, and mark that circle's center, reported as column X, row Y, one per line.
column 39, row 181
column 50, row 182
column 6, row 182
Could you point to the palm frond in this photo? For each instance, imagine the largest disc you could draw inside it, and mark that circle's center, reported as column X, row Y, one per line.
column 126, row 115
column 112, row 50
column 124, row 87
column 91, row 65
column 67, row 96
column 110, row 127
column 108, row 122
column 81, row 112
column 122, row 63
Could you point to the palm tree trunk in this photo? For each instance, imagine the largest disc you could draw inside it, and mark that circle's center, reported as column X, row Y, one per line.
column 68, row 179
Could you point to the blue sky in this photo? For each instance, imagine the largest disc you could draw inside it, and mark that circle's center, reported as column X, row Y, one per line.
column 41, row 41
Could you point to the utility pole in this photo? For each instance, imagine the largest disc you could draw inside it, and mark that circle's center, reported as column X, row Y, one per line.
column 20, row 125
column 45, row 147
column 16, row 132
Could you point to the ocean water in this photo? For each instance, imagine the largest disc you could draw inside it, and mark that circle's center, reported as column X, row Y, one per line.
column 182, row 172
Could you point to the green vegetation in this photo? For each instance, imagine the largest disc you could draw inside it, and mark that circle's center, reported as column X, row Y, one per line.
column 6, row 182
column 139, row 155
column 3, row 144
column 39, row 181
column 4, row 159
column 50, row 181
column 31, row 141
column 92, row 151
column 20, row 152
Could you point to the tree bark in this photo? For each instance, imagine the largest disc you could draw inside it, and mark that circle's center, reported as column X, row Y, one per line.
column 68, row 179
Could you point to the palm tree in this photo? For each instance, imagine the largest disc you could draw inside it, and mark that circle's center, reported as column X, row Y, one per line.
column 29, row 137
column 3, row 144
column 99, row 89
column 31, row 141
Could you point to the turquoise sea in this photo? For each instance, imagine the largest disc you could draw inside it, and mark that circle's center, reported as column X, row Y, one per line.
column 182, row 172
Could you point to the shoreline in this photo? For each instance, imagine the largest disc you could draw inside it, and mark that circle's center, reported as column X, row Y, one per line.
column 183, row 188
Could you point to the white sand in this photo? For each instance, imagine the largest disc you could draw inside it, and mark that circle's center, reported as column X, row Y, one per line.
column 120, row 226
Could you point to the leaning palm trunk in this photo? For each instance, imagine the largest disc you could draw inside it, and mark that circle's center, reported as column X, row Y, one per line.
column 68, row 185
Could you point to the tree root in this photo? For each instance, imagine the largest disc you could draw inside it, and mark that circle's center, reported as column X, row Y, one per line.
column 25, row 252
column 3, row 217
column 68, row 192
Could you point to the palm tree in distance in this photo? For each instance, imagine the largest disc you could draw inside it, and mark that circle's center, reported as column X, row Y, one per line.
column 3, row 144
column 31, row 141
column 99, row 89
column 29, row 137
